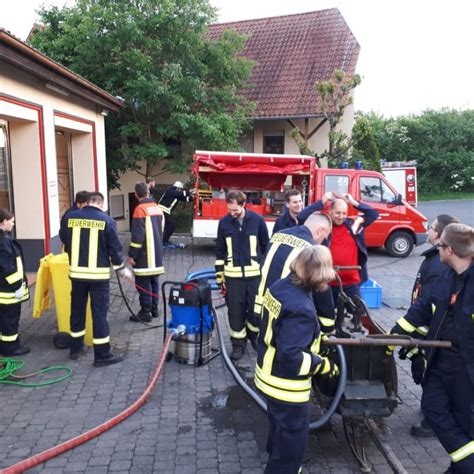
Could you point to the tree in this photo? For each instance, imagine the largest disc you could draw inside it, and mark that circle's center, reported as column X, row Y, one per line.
column 181, row 90
column 365, row 148
column 335, row 95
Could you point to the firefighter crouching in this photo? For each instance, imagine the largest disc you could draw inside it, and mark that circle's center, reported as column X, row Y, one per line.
column 446, row 313
column 242, row 240
column 146, row 252
column 13, row 288
column 287, row 356
column 93, row 243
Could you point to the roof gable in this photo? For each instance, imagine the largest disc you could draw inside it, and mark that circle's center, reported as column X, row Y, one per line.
column 291, row 53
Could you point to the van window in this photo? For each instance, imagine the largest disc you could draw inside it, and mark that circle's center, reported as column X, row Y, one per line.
column 375, row 190
column 336, row 184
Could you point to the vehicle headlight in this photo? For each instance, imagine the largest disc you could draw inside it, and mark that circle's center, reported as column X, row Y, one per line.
column 425, row 225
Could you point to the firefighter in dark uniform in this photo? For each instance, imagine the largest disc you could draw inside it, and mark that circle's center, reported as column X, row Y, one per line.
column 429, row 271
column 283, row 249
column 242, row 240
column 288, row 357
column 294, row 205
column 80, row 201
column 13, row 288
column 447, row 375
column 146, row 252
column 347, row 241
column 167, row 202
column 93, row 243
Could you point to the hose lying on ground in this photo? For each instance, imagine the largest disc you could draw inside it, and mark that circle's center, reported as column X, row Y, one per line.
column 98, row 430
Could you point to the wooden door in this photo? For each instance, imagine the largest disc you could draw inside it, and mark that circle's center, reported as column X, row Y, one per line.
column 64, row 181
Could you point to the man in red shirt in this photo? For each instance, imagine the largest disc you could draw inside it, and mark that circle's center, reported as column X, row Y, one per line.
column 347, row 241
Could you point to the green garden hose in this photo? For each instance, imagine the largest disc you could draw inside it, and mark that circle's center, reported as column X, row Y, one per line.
column 9, row 366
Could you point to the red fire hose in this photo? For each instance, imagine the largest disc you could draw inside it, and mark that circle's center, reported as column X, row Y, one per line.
column 98, row 430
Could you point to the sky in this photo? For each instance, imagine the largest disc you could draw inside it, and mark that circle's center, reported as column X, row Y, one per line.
column 415, row 54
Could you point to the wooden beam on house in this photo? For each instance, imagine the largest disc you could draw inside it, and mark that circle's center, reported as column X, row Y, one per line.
column 315, row 129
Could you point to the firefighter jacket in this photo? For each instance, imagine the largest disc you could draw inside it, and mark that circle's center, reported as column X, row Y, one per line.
column 288, row 343
column 430, row 269
column 92, row 239
column 283, row 249
column 369, row 215
column 426, row 317
column 240, row 249
column 171, row 197
column 12, row 273
column 63, row 226
column 284, row 222
column 146, row 245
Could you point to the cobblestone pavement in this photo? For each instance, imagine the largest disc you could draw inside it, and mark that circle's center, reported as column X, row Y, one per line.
column 197, row 419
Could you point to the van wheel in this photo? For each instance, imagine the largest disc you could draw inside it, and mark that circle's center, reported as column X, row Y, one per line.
column 400, row 244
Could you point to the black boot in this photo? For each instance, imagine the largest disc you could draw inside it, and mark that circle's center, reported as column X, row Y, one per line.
column 422, row 430
column 108, row 359
column 154, row 311
column 75, row 354
column 237, row 352
column 15, row 350
column 143, row 316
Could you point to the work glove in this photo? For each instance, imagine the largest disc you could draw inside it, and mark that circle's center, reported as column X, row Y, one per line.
column 220, row 280
column 418, row 362
column 20, row 293
column 125, row 272
column 325, row 349
column 326, row 379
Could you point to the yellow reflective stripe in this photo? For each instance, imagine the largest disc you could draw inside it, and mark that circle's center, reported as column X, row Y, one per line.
column 233, row 272
column 463, row 452
column 98, row 271
column 285, row 384
column 253, row 245
column 219, row 262
column 78, row 333
column 252, row 327
column 433, row 308
column 149, row 271
column 75, row 244
column 150, row 244
column 286, row 268
column 405, row 325
column 293, row 397
column 118, row 267
column 265, row 269
column 93, row 248
column 305, row 365
column 423, row 330
column 11, row 338
column 326, row 321
column 10, row 294
column 134, row 245
column 238, row 334
column 228, row 242
column 18, row 275
column 315, row 345
column 102, row 340
column 164, row 208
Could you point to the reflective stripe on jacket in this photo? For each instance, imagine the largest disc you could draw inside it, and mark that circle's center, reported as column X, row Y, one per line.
column 92, row 239
column 12, row 273
column 288, row 343
column 146, row 246
column 171, row 197
column 240, row 250
column 283, row 249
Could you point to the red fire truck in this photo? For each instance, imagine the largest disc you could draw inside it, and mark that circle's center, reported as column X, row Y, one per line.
column 265, row 178
column 402, row 176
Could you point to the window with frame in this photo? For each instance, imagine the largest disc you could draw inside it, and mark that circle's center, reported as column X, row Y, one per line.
column 117, row 207
column 338, row 184
column 274, row 143
column 375, row 190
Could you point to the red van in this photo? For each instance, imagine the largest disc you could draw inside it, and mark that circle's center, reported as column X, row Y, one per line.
column 265, row 178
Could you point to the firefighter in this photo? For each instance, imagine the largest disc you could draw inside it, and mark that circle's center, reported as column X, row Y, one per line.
column 447, row 375
column 288, row 356
column 167, row 203
column 284, row 247
column 242, row 240
column 93, row 243
column 294, row 205
column 13, row 288
column 80, row 201
column 429, row 271
column 347, row 241
column 145, row 254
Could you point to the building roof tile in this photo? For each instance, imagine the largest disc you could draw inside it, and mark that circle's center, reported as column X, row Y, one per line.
column 291, row 53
